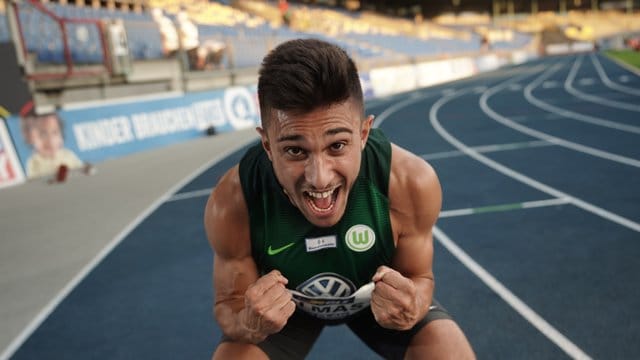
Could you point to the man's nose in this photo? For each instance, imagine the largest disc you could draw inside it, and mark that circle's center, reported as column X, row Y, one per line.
column 318, row 172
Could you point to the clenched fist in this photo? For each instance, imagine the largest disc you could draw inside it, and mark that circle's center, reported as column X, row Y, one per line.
column 268, row 306
column 394, row 302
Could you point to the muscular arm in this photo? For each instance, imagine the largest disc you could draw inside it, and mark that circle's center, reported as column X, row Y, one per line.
column 247, row 307
column 415, row 199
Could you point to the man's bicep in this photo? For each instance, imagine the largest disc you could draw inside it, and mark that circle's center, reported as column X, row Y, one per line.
column 414, row 255
column 226, row 218
column 226, row 223
column 416, row 198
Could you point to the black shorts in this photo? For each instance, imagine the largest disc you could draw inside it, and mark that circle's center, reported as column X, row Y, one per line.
column 295, row 340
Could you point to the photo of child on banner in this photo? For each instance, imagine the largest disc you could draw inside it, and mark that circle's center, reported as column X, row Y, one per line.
column 44, row 133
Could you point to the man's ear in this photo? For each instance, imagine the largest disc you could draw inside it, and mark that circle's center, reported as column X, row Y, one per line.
column 264, row 139
column 366, row 129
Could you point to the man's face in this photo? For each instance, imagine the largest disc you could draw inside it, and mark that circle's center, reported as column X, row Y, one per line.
column 46, row 136
column 316, row 158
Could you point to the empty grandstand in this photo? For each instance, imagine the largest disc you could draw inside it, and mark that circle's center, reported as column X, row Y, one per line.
column 79, row 53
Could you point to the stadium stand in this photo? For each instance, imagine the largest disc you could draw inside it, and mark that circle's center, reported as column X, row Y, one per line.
column 248, row 29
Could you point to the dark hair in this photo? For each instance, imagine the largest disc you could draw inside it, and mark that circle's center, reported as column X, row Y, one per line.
column 301, row 75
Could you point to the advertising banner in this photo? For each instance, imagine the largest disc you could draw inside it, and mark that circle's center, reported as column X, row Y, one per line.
column 78, row 135
column 10, row 169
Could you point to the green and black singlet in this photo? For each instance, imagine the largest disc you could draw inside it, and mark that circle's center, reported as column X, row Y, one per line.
column 325, row 266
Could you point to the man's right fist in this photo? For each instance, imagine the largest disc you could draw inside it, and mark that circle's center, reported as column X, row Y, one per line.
column 268, row 306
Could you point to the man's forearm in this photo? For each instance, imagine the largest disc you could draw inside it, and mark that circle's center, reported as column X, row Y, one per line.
column 424, row 291
column 233, row 325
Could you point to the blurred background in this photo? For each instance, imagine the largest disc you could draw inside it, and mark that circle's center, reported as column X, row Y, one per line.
column 115, row 72
column 86, row 82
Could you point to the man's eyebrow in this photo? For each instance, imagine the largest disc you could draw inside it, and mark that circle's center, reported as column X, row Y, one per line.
column 338, row 131
column 329, row 132
column 289, row 138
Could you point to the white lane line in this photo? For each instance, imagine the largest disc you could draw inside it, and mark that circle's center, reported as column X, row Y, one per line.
column 607, row 81
column 390, row 110
column 544, row 136
column 66, row 290
column 510, row 298
column 488, row 149
column 447, row 92
column 433, row 116
column 190, row 194
column 504, row 207
column 568, row 86
column 586, row 81
column 528, row 94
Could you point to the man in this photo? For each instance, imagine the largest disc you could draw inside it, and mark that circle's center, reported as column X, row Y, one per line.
column 325, row 222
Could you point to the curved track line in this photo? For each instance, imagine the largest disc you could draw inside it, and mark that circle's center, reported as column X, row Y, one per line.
column 390, row 110
column 66, row 290
column 568, row 86
column 607, row 81
column 544, row 136
column 570, row 114
column 521, row 177
column 517, row 304
column 510, row 298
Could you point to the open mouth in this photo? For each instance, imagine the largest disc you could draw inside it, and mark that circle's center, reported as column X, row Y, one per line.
column 322, row 201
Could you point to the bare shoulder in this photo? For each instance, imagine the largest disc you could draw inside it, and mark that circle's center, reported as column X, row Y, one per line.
column 226, row 218
column 415, row 196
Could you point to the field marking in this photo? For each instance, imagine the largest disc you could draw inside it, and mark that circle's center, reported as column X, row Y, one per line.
column 504, row 207
column 607, row 81
column 433, row 117
column 190, row 195
column 510, row 298
column 488, row 149
column 568, row 86
column 544, row 136
column 528, row 94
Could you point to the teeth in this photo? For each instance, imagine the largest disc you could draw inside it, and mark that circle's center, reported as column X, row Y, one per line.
column 320, row 195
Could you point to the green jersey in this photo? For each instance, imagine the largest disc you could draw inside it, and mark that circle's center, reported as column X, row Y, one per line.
column 325, row 266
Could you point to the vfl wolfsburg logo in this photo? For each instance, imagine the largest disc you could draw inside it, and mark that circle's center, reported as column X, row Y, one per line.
column 360, row 238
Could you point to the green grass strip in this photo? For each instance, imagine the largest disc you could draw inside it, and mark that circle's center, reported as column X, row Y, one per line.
column 628, row 56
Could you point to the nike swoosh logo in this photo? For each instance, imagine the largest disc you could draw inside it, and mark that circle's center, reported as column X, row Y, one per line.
column 271, row 251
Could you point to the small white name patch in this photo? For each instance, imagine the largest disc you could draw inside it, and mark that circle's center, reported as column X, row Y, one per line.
column 319, row 243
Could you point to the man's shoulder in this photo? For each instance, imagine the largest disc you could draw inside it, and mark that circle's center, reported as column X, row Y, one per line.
column 226, row 211
column 411, row 176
